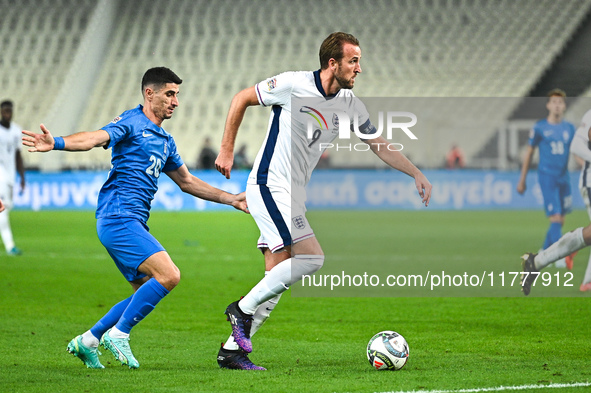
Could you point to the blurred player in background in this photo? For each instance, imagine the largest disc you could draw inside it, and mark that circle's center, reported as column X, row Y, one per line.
column 141, row 151
column 553, row 135
column 11, row 162
column 276, row 185
column 1, row 206
column 573, row 241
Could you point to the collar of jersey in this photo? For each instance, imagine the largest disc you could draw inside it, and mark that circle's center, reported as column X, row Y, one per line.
column 319, row 85
column 150, row 124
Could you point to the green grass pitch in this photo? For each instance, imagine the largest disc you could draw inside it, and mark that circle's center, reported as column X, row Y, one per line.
column 65, row 281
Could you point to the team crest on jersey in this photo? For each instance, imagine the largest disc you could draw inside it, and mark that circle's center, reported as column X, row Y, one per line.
column 299, row 222
column 335, row 121
column 565, row 136
column 115, row 120
column 165, row 148
column 272, row 83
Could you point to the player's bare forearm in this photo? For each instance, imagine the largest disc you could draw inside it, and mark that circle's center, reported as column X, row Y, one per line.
column 240, row 102
column 198, row 188
column 20, row 167
column 394, row 159
column 205, row 191
column 521, row 186
column 86, row 140
column 398, row 161
column 81, row 141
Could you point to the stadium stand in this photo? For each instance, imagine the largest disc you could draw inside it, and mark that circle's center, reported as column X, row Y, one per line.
column 419, row 48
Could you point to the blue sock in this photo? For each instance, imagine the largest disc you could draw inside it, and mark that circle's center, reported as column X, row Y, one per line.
column 553, row 235
column 142, row 303
column 110, row 318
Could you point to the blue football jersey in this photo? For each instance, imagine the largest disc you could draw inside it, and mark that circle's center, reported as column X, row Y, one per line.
column 141, row 151
column 554, row 142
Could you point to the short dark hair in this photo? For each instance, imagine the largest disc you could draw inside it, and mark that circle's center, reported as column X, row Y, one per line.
column 556, row 93
column 6, row 104
column 159, row 76
column 332, row 47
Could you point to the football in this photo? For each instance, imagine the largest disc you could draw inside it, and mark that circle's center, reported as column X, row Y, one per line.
column 387, row 350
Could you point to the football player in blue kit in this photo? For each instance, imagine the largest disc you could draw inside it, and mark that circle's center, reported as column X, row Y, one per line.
column 141, row 151
column 553, row 136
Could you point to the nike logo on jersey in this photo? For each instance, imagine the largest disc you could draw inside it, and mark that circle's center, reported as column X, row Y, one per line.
column 146, row 134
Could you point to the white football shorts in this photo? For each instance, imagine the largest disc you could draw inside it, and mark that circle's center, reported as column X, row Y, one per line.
column 281, row 220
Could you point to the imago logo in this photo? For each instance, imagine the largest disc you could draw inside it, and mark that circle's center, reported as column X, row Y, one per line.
column 366, row 131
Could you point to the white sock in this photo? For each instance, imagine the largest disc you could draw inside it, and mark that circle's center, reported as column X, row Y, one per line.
column 279, row 279
column 116, row 333
column 5, row 231
column 89, row 339
column 262, row 313
column 587, row 277
column 231, row 344
column 275, row 282
column 260, row 316
column 566, row 245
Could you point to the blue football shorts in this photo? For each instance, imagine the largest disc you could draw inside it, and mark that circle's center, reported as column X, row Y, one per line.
column 557, row 194
column 128, row 242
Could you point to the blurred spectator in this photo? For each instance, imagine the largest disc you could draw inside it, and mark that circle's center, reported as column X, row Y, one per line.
column 241, row 159
column 454, row 158
column 206, row 159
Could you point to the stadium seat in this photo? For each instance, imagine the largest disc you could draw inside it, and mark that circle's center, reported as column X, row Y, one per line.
column 424, row 48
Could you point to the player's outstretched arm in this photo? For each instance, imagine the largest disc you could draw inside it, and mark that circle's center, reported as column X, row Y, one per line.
column 398, row 161
column 521, row 186
column 241, row 101
column 200, row 189
column 81, row 141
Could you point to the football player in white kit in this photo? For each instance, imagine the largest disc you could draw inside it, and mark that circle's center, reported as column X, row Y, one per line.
column 275, row 190
column 10, row 162
column 578, row 238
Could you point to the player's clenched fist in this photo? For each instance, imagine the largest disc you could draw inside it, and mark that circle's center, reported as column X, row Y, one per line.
column 224, row 163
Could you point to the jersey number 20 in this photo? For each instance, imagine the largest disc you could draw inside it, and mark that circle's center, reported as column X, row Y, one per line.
column 154, row 168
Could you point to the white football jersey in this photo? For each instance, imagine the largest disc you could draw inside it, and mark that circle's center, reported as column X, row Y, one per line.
column 290, row 150
column 580, row 147
column 10, row 142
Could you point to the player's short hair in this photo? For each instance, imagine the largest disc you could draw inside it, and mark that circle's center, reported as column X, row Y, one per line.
column 158, row 77
column 556, row 93
column 332, row 47
column 6, row 104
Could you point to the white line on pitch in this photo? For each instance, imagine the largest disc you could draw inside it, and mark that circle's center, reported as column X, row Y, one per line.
column 502, row 388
